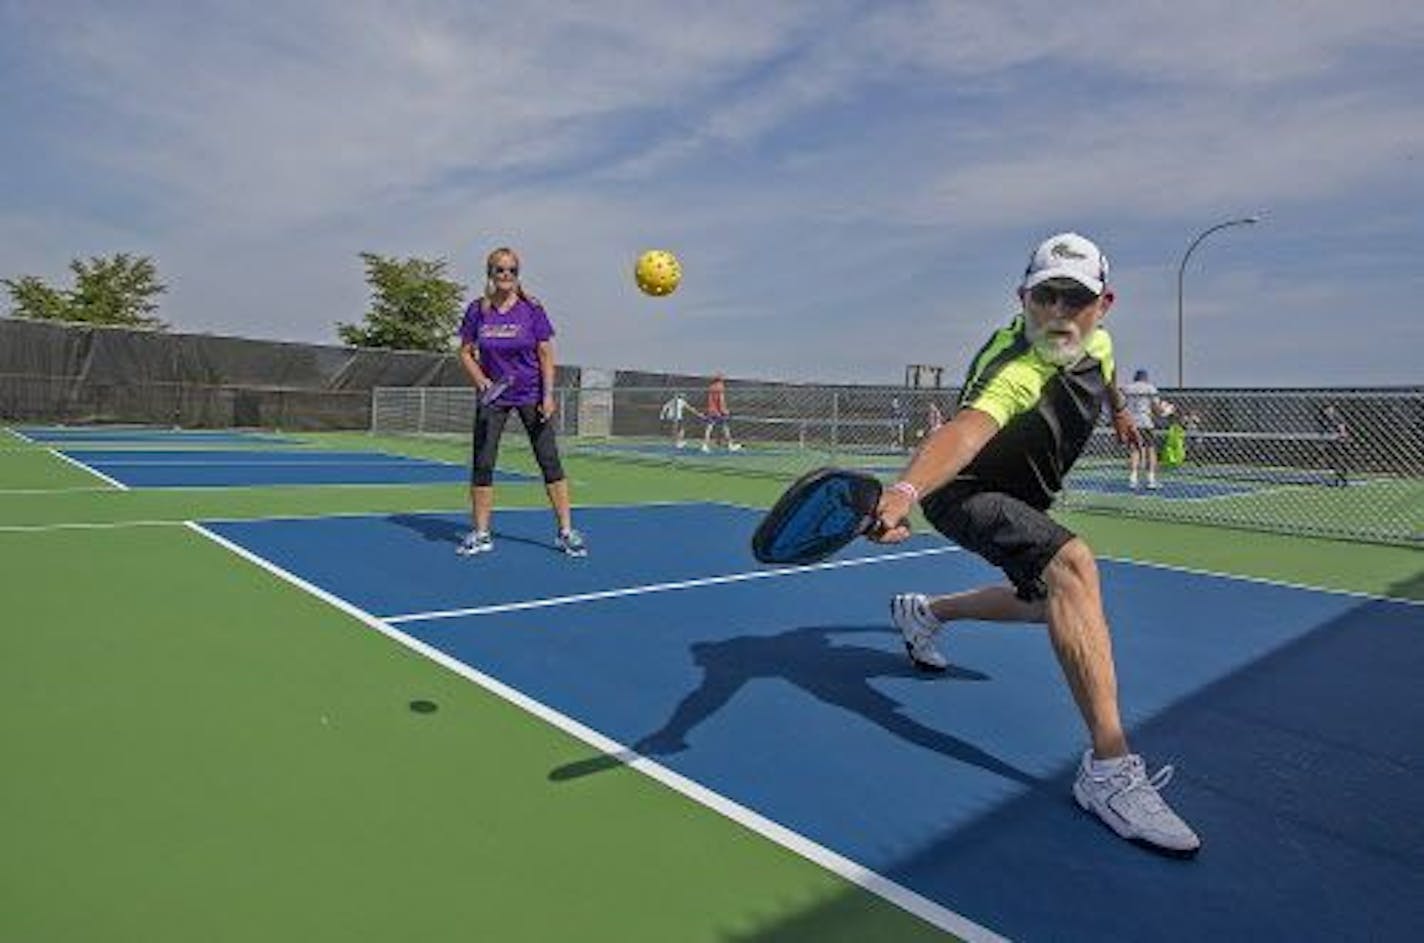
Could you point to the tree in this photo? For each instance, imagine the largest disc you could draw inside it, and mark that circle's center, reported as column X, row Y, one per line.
column 30, row 297
column 413, row 306
column 118, row 290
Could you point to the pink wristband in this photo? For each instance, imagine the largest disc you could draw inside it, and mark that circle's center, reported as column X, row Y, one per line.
column 907, row 489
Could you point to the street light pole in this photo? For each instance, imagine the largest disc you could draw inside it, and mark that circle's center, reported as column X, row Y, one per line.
column 1181, row 276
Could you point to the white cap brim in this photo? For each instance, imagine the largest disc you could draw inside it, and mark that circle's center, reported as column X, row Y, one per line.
column 1043, row 275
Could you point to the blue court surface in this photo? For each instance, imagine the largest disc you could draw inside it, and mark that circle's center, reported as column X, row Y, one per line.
column 143, row 435
column 217, row 468
column 1170, row 489
column 1294, row 715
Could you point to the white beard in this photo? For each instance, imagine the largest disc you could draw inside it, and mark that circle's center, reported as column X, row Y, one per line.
column 1058, row 349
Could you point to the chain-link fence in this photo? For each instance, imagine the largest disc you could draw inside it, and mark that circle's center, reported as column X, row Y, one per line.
column 1336, row 463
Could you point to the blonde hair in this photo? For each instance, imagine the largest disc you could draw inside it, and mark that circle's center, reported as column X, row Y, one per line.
column 489, row 282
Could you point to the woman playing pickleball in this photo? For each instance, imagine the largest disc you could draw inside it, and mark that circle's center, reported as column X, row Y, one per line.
column 506, row 341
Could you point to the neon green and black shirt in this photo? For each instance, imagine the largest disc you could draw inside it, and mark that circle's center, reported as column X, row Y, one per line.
column 1045, row 412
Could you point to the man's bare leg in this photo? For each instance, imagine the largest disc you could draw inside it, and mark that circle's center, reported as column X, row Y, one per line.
column 988, row 604
column 1079, row 631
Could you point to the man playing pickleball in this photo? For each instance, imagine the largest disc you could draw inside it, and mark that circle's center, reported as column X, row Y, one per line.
column 986, row 480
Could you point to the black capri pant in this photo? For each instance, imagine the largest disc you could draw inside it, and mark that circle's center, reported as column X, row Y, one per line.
column 489, row 426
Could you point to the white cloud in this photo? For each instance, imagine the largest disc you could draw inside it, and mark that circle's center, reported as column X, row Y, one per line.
column 813, row 163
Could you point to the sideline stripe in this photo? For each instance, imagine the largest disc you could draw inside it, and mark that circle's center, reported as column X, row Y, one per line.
column 84, row 525
column 93, row 471
column 661, row 587
column 171, row 522
column 91, row 489
column 1263, row 581
column 858, row 874
column 160, row 522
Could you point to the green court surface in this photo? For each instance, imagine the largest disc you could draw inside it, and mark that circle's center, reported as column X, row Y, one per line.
column 199, row 751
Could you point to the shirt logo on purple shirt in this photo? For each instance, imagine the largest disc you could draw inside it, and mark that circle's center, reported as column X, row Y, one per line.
column 499, row 331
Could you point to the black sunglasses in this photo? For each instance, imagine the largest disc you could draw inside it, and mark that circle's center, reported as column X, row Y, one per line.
column 498, row 270
column 1073, row 297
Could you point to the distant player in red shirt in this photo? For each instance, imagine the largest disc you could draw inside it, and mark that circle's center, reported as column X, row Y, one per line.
column 718, row 416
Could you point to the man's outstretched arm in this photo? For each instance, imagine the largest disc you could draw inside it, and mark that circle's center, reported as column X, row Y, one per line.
column 944, row 455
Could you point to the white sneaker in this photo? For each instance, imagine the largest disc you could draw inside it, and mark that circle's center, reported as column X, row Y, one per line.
column 1152, row 484
column 571, row 542
column 1132, row 482
column 1131, row 805
column 911, row 615
column 734, row 447
column 706, row 447
column 476, row 541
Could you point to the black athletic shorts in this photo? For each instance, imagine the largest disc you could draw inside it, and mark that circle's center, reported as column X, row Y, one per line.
column 1013, row 535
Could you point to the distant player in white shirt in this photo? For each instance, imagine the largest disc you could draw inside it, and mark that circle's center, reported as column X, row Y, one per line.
column 675, row 411
column 1144, row 405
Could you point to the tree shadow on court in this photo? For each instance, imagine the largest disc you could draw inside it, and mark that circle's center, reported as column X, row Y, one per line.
column 443, row 530
column 809, row 658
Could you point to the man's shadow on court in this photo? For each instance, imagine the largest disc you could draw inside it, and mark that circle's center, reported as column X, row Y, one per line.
column 838, row 675
column 443, row 530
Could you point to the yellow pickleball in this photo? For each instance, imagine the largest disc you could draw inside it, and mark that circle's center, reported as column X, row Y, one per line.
column 657, row 272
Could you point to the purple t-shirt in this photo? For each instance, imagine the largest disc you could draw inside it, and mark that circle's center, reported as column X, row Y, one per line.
column 508, row 345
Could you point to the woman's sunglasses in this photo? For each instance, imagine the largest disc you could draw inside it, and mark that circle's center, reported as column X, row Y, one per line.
column 503, row 270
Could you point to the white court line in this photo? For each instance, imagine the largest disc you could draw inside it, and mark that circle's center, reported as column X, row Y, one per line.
column 922, row 907
column 661, row 587
column 93, row 471
column 90, row 489
column 168, row 522
column 262, row 518
column 1263, row 581
column 84, row 525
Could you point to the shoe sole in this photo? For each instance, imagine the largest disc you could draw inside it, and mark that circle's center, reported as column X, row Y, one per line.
column 1180, row 854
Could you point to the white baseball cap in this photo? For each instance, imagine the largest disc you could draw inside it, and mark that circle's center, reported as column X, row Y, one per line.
column 1068, row 255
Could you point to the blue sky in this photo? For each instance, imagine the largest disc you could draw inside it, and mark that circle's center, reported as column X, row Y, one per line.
column 850, row 186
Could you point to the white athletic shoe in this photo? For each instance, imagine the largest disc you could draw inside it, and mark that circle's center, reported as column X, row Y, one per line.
column 734, row 447
column 1131, row 804
column 1152, row 484
column 1132, row 482
column 706, row 447
column 476, row 541
column 911, row 615
column 571, row 542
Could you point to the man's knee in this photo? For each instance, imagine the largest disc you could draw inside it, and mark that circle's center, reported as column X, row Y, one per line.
column 1072, row 566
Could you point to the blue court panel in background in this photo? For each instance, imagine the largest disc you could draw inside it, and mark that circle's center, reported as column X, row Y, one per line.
column 144, row 436
column 216, row 468
column 1295, row 714
column 1169, row 490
